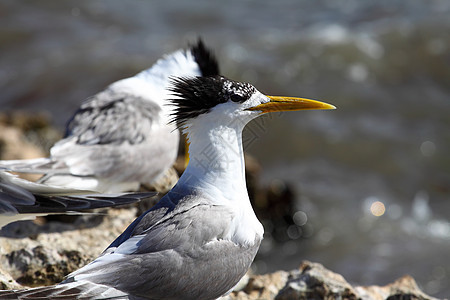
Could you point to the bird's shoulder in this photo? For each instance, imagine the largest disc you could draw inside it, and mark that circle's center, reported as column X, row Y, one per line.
column 172, row 222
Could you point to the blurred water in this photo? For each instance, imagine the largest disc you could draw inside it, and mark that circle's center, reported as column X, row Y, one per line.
column 384, row 64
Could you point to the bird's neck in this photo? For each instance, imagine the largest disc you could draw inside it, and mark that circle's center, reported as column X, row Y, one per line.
column 217, row 160
column 216, row 173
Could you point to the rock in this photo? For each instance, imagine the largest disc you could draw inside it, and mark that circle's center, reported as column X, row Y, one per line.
column 13, row 145
column 404, row 288
column 39, row 265
column 25, row 135
column 7, row 282
column 164, row 183
column 314, row 281
column 262, row 286
column 44, row 254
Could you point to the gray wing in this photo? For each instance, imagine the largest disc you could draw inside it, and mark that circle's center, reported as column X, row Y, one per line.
column 157, row 214
column 119, row 137
column 111, row 117
column 90, row 147
column 178, row 256
column 108, row 118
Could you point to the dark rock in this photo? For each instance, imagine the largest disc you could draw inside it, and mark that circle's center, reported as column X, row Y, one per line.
column 38, row 266
column 313, row 281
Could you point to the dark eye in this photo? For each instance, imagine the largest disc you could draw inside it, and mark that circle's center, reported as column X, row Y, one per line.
column 236, row 98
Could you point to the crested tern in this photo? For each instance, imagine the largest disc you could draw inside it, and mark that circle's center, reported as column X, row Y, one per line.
column 120, row 137
column 21, row 199
column 200, row 238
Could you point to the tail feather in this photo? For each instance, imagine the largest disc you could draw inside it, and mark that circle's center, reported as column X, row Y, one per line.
column 91, row 183
column 21, row 199
column 45, row 205
column 38, row 188
column 67, row 204
column 69, row 291
column 35, row 166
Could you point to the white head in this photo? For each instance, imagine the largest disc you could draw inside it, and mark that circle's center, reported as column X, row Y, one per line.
column 213, row 111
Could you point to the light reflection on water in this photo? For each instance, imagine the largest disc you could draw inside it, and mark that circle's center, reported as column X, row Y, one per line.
column 383, row 64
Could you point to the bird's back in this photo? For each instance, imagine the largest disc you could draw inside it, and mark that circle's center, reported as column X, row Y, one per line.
column 182, row 251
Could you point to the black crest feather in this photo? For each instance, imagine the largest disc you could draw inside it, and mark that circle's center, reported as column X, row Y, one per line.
column 195, row 96
column 205, row 59
column 199, row 95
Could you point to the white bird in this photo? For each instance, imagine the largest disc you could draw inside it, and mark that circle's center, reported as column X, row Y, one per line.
column 201, row 238
column 21, row 199
column 120, row 137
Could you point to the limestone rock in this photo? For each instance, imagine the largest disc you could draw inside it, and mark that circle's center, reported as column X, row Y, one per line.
column 7, row 282
column 35, row 255
column 26, row 136
column 403, row 288
column 314, row 281
column 164, row 183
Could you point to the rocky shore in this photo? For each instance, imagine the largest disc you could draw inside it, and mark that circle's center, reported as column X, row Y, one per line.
column 43, row 251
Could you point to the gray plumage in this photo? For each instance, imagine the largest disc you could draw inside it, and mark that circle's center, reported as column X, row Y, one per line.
column 183, row 245
column 109, row 138
column 113, row 118
column 201, row 238
column 180, row 253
